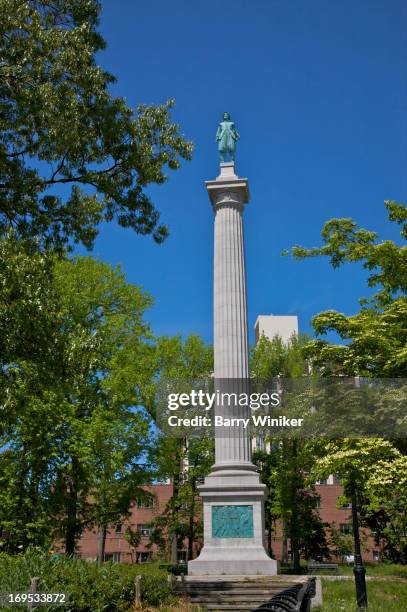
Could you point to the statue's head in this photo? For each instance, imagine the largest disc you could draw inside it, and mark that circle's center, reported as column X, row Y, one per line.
column 226, row 116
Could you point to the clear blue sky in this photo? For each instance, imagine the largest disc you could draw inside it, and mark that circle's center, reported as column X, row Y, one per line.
column 318, row 90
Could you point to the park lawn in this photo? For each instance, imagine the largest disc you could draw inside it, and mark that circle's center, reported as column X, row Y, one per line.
column 389, row 595
column 373, row 569
column 386, row 569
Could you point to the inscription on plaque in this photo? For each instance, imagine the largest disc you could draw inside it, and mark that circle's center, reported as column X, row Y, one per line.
column 232, row 521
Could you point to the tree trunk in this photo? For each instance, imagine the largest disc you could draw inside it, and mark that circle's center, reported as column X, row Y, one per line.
column 71, row 519
column 101, row 544
column 72, row 523
column 294, row 527
column 296, row 556
column 284, row 552
column 175, row 495
column 174, row 550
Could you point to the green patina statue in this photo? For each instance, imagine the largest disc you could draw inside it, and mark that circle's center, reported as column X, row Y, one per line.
column 226, row 137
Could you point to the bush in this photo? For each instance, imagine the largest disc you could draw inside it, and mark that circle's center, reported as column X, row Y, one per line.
column 91, row 587
column 156, row 591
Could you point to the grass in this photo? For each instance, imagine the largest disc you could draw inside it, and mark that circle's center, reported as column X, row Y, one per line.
column 372, row 569
column 388, row 595
column 180, row 606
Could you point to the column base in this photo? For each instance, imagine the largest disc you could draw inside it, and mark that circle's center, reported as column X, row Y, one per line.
column 233, row 514
column 233, row 561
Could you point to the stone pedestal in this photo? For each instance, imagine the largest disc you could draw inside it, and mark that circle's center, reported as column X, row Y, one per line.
column 233, row 497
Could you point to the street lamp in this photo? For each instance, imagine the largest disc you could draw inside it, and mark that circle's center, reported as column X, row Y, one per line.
column 358, row 568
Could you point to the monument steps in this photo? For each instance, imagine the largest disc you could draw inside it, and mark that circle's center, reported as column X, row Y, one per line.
column 237, row 595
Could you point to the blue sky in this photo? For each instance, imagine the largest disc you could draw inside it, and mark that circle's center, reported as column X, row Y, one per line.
column 318, row 90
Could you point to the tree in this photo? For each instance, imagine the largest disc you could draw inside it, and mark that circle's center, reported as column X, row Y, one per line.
column 341, row 544
column 71, row 425
column 376, row 347
column 71, row 154
column 272, row 357
column 375, row 469
column 133, row 538
column 376, row 337
column 117, row 443
column 384, row 507
column 184, row 460
column 284, row 466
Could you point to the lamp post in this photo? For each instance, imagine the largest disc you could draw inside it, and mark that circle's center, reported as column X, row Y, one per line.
column 358, row 568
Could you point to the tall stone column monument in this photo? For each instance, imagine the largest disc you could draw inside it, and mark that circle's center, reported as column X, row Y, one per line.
column 233, row 496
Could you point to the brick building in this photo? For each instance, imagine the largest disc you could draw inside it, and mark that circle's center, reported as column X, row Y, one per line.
column 335, row 515
column 141, row 515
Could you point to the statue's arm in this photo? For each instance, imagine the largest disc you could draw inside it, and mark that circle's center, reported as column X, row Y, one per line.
column 218, row 133
column 236, row 134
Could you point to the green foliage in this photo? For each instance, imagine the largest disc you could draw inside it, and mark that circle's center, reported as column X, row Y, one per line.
column 70, row 427
column 385, row 507
column 341, row 544
column 182, row 460
column 376, row 337
column 377, row 468
column 155, row 590
column 91, row 588
column 270, row 358
column 71, row 154
column 133, row 537
column 374, row 346
column 283, row 468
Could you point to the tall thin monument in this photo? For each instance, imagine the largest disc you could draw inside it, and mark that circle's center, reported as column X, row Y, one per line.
column 233, row 496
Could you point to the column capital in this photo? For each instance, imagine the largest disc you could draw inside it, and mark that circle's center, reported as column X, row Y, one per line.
column 228, row 189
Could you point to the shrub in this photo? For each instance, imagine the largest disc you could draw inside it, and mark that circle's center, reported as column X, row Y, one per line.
column 91, row 587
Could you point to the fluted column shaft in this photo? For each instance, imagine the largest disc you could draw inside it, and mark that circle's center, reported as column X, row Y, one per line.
column 229, row 195
column 230, row 311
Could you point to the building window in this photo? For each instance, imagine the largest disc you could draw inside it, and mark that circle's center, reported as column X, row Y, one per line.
column 322, row 481
column 345, row 528
column 346, row 506
column 316, row 502
column 114, row 556
column 376, row 555
column 145, row 530
column 144, row 557
column 118, row 528
column 146, row 502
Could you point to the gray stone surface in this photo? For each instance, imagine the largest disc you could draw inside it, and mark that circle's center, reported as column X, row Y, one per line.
column 234, row 479
column 317, row 600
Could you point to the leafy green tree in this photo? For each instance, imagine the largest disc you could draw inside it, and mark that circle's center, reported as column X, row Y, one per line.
column 376, row 340
column 95, row 361
column 271, row 357
column 384, row 506
column 376, row 337
column 117, row 444
column 183, row 460
column 284, row 466
column 372, row 471
column 341, row 544
column 133, row 538
column 71, row 154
